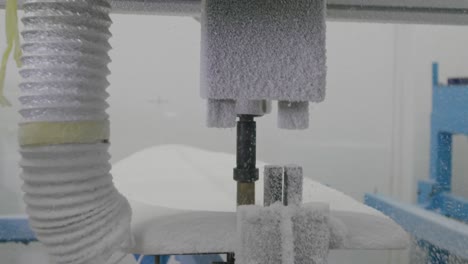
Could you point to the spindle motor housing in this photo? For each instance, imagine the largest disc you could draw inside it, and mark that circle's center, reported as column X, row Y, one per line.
column 263, row 50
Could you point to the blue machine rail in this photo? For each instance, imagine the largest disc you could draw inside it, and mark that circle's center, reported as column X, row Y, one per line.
column 440, row 231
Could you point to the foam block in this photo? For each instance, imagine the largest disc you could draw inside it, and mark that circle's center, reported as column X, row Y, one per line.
column 293, row 181
column 259, row 231
column 293, row 115
column 221, row 113
column 263, row 49
column 273, row 184
column 311, row 229
column 283, row 234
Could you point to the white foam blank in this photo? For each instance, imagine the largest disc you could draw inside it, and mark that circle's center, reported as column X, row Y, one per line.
column 208, row 231
column 211, row 172
column 355, row 226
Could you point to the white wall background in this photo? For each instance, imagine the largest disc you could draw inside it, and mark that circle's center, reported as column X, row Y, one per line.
column 370, row 135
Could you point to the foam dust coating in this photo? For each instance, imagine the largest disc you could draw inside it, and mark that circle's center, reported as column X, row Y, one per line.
column 72, row 204
column 221, row 113
column 283, row 234
column 293, row 185
column 263, row 49
column 273, row 184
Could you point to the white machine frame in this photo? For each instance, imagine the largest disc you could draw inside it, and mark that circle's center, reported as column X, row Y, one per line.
column 448, row 12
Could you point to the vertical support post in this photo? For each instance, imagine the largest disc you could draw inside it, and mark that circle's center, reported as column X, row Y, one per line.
column 246, row 172
column 444, row 164
column 441, row 159
column 435, row 74
column 293, row 180
column 441, row 144
column 273, row 184
column 440, row 170
column 157, row 259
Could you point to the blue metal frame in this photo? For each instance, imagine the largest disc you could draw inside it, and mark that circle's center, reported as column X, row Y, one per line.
column 435, row 227
column 16, row 230
column 449, row 117
column 439, row 231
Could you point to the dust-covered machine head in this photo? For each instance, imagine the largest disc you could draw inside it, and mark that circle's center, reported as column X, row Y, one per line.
column 256, row 52
column 263, row 50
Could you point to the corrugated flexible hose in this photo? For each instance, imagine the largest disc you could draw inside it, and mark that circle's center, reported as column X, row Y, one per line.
column 73, row 206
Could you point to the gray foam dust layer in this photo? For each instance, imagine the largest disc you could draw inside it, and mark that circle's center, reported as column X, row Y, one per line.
column 311, row 234
column 293, row 182
column 273, row 184
column 221, row 113
column 260, row 236
column 283, row 234
column 263, row 49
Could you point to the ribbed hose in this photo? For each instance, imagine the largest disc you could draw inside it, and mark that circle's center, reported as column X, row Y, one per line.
column 73, row 206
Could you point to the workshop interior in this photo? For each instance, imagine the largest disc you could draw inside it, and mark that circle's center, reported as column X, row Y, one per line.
column 233, row 131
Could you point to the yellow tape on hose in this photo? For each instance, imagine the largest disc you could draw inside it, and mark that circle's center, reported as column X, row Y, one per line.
column 55, row 133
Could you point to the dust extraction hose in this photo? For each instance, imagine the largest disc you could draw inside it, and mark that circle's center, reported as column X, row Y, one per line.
column 73, row 206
